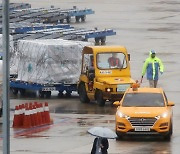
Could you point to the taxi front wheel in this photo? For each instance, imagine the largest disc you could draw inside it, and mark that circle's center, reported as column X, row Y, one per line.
column 167, row 137
column 120, row 135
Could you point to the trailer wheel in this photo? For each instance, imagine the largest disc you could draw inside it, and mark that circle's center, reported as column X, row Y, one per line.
column 82, row 94
column 60, row 94
column 83, row 18
column 22, row 92
column 48, row 94
column 103, row 40
column 68, row 94
column 77, row 18
column 61, row 21
column 41, row 94
column 99, row 98
column 97, row 41
column 68, row 19
column 14, row 91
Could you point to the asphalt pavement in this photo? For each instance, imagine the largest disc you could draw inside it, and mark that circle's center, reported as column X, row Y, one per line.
column 140, row 26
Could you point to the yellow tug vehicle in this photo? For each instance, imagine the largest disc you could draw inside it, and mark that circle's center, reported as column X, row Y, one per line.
column 105, row 74
column 144, row 111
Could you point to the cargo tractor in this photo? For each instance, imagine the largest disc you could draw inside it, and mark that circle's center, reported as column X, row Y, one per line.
column 105, row 74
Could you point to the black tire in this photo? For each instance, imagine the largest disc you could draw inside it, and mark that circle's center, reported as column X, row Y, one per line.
column 68, row 19
column 41, row 94
column 103, row 40
column 22, row 92
column 14, row 91
column 48, row 94
column 167, row 137
column 77, row 18
column 97, row 41
column 68, row 94
column 83, row 18
column 119, row 136
column 62, row 21
column 99, row 98
column 83, row 94
column 60, row 94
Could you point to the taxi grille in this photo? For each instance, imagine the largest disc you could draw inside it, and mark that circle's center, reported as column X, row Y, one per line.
column 142, row 121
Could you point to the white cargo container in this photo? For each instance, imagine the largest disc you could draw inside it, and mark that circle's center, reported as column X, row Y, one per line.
column 49, row 61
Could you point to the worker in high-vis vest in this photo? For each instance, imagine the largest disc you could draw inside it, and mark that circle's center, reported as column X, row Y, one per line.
column 114, row 62
column 152, row 66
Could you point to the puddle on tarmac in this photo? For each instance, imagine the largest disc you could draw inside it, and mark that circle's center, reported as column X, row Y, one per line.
column 31, row 132
column 84, row 122
column 100, row 111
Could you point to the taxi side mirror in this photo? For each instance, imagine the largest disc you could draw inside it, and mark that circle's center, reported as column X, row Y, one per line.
column 117, row 103
column 170, row 103
column 129, row 57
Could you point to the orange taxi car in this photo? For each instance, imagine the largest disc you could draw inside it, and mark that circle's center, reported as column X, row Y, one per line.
column 144, row 111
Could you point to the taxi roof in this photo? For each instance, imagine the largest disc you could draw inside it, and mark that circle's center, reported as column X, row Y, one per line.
column 145, row 90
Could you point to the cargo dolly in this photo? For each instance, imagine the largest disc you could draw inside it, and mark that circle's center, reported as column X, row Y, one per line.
column 43, row 90
column 52, row 15
column 15, row 6
column 20, row 29
column 68, row 34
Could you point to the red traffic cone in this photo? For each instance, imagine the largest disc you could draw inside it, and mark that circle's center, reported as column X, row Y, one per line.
column 36, row 120
column 16, row 120
column 42, row 113
column 46, row 114
column 39, row 114
column 27, row 119
column 22, row 111
column 31, row 115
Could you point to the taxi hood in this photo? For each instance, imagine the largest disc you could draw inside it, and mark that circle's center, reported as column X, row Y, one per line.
column 115, row 80
column 142, row 111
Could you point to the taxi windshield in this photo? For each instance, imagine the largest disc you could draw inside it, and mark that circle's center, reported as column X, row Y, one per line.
column 143, row 100
column 111, row 60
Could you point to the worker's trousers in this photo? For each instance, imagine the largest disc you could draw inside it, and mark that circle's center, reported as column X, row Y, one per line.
column 153, row 83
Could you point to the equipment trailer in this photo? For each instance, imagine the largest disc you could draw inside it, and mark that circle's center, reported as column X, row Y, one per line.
column 44, row 90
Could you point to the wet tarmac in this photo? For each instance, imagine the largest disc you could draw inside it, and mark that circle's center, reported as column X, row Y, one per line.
column 140, row 26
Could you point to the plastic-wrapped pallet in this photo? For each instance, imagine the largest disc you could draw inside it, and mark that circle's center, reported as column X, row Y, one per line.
column 11, row 51
column 50, row 61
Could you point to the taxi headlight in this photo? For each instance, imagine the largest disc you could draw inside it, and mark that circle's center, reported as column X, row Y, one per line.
column 122, row 115
column 164, row 115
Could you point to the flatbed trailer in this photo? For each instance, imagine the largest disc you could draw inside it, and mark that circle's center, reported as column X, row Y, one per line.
column 64, row 32
column 15, row 6
column 49, row 15
column 20, row 29
column 43, row 90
